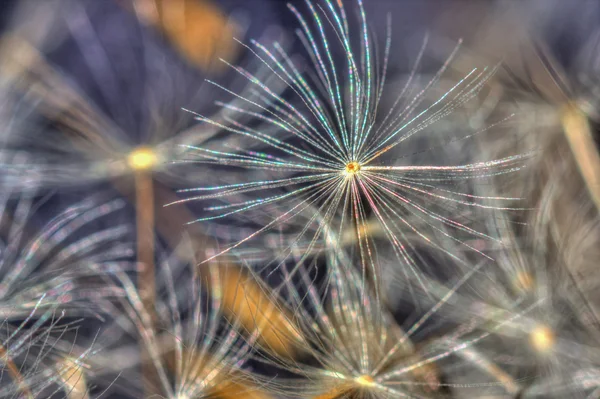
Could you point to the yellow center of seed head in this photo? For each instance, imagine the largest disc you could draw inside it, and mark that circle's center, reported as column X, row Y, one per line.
column 142, row 158
column 352, row 168
column 365, row 381
column 542, row 338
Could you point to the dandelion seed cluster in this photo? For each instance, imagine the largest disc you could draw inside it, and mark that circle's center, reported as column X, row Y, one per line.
column 329, row 222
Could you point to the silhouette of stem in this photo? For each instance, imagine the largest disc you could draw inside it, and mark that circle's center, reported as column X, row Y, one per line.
column 14, row 373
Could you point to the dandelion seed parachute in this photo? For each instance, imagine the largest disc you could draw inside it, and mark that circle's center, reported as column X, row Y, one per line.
column 192, row 344
column 50, row 275
column 334, row 155
column 355, row 349
column 562, row 332
column 77, row 119
column 108, row 111
column 554, row 111
column 554, row 337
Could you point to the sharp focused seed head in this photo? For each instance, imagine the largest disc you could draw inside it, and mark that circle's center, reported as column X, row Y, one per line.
column 352, row 168
column 142, row 158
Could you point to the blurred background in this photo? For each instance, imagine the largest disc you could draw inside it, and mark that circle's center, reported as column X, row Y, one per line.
column 105, row 89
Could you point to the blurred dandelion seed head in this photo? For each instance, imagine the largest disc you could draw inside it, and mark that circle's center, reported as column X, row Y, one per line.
column 365, row 381
column 142, row 158
column 542, row 339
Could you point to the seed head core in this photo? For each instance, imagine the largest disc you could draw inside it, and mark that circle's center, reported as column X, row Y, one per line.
column 352, row 168
column 365, row 380
column 142, row 158
column 542, row 339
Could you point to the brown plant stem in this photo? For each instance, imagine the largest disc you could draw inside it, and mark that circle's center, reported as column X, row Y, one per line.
column 145, row 238
column 578, row 133
column 509, row 384
column 144, row 205
column 15, row 374
column 171, row 222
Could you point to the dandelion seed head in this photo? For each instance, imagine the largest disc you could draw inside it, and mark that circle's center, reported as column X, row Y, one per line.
column 542, row 339
column 365, row 381
column 340, row 155
column 352, row 168
column 142, row 158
